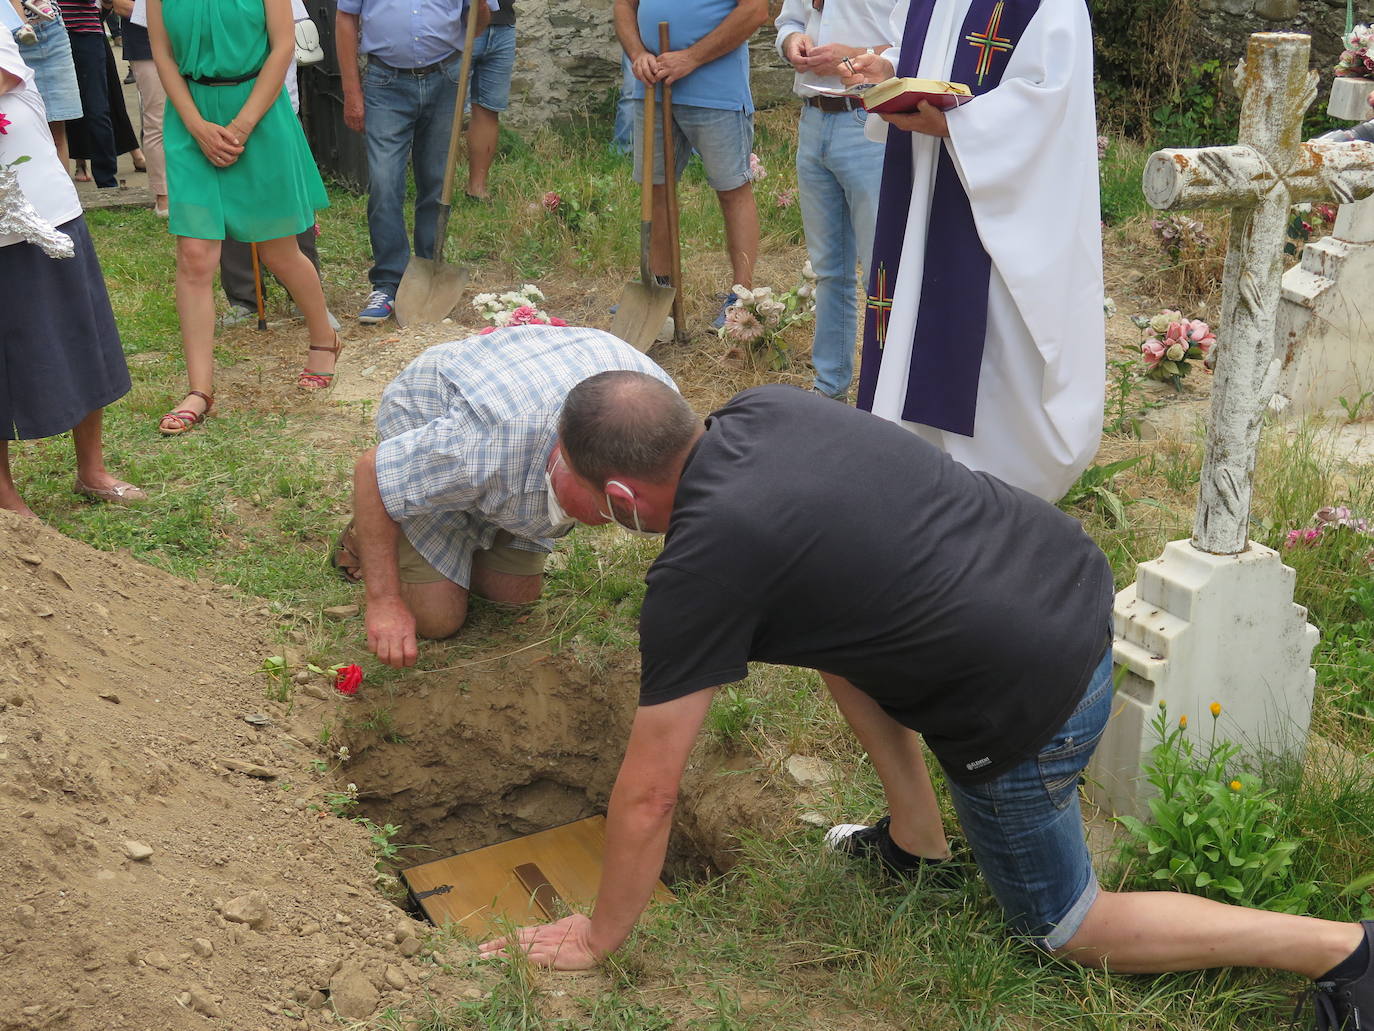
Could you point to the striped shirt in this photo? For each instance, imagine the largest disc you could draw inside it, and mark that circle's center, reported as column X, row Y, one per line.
column 467, row 429
column 81, row 15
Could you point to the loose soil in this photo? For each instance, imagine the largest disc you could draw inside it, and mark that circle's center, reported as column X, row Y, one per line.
column 165, row 861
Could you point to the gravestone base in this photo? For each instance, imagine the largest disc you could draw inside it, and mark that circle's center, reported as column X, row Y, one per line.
column 1194, row 629
column 1325, row 324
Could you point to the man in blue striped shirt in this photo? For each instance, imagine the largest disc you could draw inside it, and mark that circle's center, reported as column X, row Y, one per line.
column 467, row 488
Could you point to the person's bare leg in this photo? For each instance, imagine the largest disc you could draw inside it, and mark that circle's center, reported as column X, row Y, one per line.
column 483, row 131
column 916, row 826
column 197, row 261
column 90, row 452
column 741, row 231
column 59, row 140
column 9, row 494
column 1146, row 932
column 506, row 588
column 440, row 608
column 283, row 256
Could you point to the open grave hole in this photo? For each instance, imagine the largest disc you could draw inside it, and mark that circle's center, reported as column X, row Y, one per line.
column 503, row 748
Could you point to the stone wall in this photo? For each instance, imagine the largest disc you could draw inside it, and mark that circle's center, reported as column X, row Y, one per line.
column 568, row 61
column 1223, row 25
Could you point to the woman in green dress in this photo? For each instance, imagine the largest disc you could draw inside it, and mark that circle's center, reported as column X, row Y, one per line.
column 237, row 164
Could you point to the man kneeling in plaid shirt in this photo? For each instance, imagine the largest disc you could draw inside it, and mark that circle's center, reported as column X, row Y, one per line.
column 458, row 497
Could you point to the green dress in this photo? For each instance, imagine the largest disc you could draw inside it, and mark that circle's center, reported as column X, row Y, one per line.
column 273, row 189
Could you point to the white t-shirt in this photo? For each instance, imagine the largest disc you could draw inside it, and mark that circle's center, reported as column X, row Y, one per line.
column 42, row 178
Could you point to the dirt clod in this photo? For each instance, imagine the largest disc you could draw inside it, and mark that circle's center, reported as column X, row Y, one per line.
column 203, row 1002
column 250, row 909
column 137, row 851
column 352, row 992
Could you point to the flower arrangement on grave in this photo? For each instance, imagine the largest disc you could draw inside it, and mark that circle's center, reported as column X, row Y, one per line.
column 1356, row 60
column 1170, row 342
column 514, row 308
column 1303, row 222
column 1329, row 519
column 1181, row 236
column 758, row 318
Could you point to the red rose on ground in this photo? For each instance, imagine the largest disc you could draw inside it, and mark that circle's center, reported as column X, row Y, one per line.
column 348, row 678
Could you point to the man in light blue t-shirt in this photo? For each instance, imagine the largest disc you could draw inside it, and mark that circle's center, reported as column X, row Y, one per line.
column 707, row 64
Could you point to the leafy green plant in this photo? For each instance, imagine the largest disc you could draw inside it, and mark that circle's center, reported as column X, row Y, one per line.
column 1215, row 831
column 1095, row 486
column 1352, row 409
column 1198, row 111
column 732, row 712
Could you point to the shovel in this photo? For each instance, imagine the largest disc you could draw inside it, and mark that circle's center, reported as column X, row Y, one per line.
column 670, row 185
column 644, row 305
column 431, row 287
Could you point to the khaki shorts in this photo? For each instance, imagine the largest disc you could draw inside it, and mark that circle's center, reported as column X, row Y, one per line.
column 500, row 558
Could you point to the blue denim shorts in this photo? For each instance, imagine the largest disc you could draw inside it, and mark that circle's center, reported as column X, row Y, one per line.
column 53, row 71
column 1026, row 829
column 722, row 138
column 493, row 61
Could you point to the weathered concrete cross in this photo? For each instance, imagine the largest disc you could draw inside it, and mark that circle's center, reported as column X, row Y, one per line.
column 1260, row 178
column 1212, row 620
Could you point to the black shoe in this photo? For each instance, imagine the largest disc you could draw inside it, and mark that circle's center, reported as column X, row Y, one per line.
column 875, row 843
column 129, row 78
column 1347, row 1004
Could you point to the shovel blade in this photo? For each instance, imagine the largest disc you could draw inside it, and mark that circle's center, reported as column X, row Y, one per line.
column 640, row 316
column 429, row 291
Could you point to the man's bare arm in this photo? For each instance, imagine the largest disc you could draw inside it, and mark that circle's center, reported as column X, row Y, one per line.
column 346, row 48
column 638, row 820
column 390, row 623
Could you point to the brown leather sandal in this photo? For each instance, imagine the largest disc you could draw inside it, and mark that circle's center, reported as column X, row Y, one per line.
column 186, row 418
column 313, row 381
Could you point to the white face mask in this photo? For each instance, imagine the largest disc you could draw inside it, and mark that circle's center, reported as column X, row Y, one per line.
column 638, row 529
column 562, row 522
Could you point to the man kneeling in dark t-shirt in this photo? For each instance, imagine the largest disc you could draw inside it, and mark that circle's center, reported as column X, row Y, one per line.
column 933, row 600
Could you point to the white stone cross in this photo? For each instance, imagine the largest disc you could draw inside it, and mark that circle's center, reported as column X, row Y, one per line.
column 1260, row 179
column 1212, row 620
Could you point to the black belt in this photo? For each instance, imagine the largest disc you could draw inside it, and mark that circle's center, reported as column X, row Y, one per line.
column 833, row 104
column 429, row 69
column 233, row 81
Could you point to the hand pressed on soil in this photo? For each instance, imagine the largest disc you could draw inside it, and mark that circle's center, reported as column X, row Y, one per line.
column 564, row 945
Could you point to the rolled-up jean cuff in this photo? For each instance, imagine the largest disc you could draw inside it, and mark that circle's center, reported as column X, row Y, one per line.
column 1073, row 919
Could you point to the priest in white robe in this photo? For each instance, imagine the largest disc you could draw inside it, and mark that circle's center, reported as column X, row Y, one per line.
column 984, row 330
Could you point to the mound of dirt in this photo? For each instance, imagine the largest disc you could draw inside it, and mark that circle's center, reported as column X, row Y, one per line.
column 162, row 860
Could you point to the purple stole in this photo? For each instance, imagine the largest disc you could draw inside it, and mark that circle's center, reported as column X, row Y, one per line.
column 952, row 318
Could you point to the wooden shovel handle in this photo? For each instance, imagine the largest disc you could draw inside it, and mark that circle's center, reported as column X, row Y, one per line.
column 670, row 189
column 456, row 134
column 646, row 189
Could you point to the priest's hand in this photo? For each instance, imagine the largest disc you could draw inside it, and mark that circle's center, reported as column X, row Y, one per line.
column 565, row 945
column 927, row 118
column 866, row 68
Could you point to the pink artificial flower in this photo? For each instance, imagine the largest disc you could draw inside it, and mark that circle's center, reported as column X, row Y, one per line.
column 524, row 315
column 1198, row 331
column 786, row 198
column 1176, row 331
column 1152, row 351
column 554, row 320
column 1304, row 537
column 3, row 123
column 740, row 324
column 756, row 169
column 1327, row 213
column 551, row 201
column 485, row 330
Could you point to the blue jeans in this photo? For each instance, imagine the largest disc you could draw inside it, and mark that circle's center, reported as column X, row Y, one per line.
column 493, row 61
column 839, row 172
column 1026, row 829
column 408, row 119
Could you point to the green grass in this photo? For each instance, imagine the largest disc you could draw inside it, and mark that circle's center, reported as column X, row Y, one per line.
column 787, row 938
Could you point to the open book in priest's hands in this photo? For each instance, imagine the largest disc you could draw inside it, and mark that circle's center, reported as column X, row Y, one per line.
column 901, row 95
